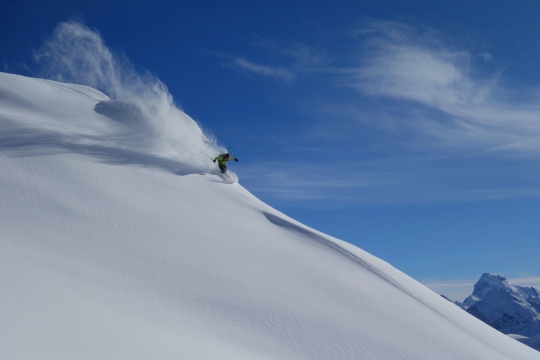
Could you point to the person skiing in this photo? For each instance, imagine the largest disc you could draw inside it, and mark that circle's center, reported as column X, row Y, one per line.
column 222, row 161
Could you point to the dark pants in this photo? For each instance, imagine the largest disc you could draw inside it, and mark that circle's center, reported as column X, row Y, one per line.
column 223, row 168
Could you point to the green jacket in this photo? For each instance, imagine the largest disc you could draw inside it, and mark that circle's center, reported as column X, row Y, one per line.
column 222, row 160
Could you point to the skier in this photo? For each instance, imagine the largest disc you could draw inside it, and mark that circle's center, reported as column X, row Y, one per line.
column 222, row 161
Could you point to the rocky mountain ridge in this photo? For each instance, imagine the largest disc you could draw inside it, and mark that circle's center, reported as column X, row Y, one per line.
column 511, row 309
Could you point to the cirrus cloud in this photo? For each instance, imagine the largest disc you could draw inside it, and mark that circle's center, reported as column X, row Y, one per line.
column 277, row 73
column 452, row 103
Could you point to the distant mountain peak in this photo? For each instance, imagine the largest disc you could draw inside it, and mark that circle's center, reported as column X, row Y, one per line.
column 507, row 308
column 487, row 283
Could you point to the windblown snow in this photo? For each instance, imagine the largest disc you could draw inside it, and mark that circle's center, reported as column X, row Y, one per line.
column 113, row 246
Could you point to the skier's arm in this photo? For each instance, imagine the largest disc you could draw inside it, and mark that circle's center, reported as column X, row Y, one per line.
column 233, row 158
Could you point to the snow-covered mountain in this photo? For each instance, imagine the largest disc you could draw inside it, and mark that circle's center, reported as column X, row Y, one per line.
column 119, row 240
column 507, row 308
column 489, row 282
column 484, row 286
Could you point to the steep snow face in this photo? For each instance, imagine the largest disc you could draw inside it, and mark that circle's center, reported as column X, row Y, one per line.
column 488, row 282
column 110, row 250
column 468, row 302
column 531, row 295
column 484, row 286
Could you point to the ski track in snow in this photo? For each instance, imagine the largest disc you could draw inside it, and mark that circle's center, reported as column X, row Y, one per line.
column 106, row 253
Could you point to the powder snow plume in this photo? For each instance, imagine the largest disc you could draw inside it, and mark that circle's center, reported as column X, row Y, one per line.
column 77, row 54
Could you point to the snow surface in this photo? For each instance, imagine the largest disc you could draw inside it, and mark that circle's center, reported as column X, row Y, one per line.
column 114, row 247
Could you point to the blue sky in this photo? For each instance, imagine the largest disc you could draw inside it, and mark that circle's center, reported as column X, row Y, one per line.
column 410, row 129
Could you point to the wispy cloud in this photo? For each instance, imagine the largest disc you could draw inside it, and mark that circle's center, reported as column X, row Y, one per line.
column 387, row 180
column 297, row 60
column 298, row 56
column 404, row 64
column 442, row 96
column 307, row 182
column 277, row 73
column 415, row 116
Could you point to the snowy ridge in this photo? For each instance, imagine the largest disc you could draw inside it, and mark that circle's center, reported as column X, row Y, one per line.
column 114, row 246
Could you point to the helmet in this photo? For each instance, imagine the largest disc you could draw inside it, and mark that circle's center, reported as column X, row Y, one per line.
column 227, row 156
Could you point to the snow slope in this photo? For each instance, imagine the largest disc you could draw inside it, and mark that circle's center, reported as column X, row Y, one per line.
column 112, row 248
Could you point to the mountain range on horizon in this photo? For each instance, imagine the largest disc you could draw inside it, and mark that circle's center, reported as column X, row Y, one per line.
column 511, row 309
